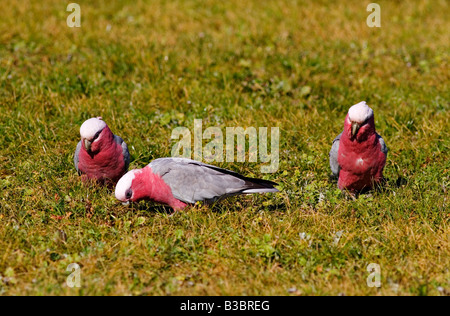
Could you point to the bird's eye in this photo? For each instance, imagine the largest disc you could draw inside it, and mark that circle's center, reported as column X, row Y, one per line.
column 96, row 135
column 365, row 122
column 129, row 194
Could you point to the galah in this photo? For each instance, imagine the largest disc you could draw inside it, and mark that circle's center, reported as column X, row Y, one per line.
column 358, row 154
column 177, row 182
column 100, row 155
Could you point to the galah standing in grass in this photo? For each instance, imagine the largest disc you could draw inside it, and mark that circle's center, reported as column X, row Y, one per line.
column 177, row 182
column 101, row 155
column 358, row 154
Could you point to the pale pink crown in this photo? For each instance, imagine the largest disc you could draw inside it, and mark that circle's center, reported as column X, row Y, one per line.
column 360, row 112
column 90, row 127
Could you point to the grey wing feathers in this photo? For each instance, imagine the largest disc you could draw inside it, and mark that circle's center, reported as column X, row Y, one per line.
column 125, row 152
column 193, row 181
column 75, row 156
column 384, row 148
column 334, row 165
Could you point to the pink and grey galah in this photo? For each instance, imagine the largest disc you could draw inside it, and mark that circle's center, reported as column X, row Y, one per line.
column 358, row 154
column 178, row 182
column 100, row 155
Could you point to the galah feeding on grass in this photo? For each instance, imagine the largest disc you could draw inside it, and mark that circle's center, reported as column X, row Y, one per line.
column 100, row 155
column 177, row 182
column 358, row 154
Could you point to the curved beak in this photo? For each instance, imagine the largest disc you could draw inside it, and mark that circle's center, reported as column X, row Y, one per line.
column 355, row 128
column 87, row 145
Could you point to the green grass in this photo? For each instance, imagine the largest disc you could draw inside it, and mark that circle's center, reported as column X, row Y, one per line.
column 147, row 67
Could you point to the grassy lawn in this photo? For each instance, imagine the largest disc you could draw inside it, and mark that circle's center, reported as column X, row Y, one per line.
column 148, row 67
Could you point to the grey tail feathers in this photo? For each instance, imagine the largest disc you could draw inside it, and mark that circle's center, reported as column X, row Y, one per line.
column 254, row 185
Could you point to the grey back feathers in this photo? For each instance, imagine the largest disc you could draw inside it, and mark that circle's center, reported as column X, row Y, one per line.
column 193, row 181
column 75, row 156
column 334, row 165
column 384, row 148
column 125, row 152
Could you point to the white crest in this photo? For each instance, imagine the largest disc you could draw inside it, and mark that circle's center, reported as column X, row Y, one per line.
column 124, row 184
column 90, row 127
column 360, row 112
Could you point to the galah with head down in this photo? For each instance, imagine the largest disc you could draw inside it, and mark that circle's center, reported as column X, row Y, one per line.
column 177, row 182
column 100, row 155
column 358, row 154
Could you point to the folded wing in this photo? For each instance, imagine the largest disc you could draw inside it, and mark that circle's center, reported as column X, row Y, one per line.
column 193, row 181
column 125, row 152
column 334, row 165
column 75, row 156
